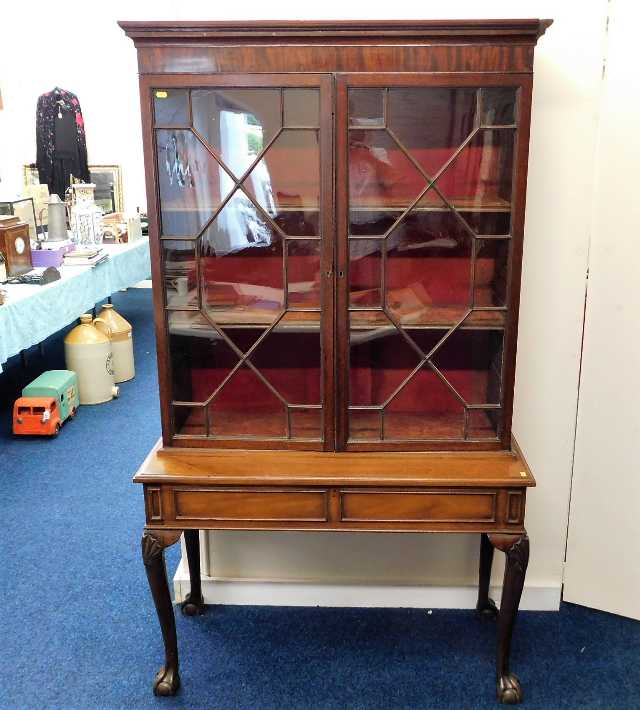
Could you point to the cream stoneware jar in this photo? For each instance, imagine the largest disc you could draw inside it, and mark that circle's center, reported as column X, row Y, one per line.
column 88, row 353
column 121, row 343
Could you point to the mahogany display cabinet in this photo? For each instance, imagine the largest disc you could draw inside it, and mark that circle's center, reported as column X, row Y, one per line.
column 336, row 224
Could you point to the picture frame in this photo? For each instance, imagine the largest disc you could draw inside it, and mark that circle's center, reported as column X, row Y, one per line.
column 107, row 179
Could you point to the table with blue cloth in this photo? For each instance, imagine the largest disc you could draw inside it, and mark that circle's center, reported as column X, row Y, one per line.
column 31, row 313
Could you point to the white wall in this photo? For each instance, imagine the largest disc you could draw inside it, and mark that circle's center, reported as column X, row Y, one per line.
column 602, row 567
column 99, row 66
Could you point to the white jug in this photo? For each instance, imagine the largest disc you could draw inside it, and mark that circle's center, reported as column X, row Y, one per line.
column 88, row 353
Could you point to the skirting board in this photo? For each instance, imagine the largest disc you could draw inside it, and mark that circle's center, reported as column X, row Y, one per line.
column 284, row 593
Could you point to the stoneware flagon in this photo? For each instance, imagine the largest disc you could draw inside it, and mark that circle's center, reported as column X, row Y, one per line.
column 88, row 353
column 121, row 343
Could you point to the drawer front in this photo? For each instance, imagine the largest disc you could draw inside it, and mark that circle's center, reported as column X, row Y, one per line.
column 230, row 504
column 417, row 506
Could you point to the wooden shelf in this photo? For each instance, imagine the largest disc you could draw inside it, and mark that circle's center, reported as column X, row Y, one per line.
column 442, row 317
column 409, row 426
column 430, row 317
column 462, row 204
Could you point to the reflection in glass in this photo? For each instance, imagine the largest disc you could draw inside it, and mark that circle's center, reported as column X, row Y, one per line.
column 434, row 264
column 365, row 276
column 498, row 106
column 366, row 222
column 492, row 223
column 380, row 174
column 481, row 173
column 428, row 267
column 366, row 107
column 243, row 375
column 236, row 123
column 301, row 107
column 287, row 178
column 432, row 122
column 238, row 226
column 190, row 182
column 241, row 265
column 303, row 273
column 180, row 275
column 171, row 107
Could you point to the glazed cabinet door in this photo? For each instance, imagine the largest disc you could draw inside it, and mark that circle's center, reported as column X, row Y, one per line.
column 430, row 194
column 241, row 185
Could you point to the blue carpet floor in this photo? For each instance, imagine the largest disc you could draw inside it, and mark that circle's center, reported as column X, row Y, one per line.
column 78, row 630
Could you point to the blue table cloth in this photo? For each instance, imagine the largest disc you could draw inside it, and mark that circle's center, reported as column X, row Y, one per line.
column 32, row 313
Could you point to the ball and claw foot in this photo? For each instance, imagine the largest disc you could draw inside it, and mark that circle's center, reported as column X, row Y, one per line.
column 193, row 606
column 509, row 690
column 167, row 681
column 487, row 611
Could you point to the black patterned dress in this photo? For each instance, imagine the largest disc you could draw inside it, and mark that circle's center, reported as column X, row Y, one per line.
column 61, row 141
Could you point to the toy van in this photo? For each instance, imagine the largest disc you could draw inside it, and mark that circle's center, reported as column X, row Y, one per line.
column 46, row 403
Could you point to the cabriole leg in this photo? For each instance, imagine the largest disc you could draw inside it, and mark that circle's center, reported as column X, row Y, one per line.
column 167, row 680
column 194, row 601
column 486, row 607
column 516, row 549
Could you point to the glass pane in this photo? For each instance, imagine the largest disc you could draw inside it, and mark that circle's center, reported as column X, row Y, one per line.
column 290, row 360
column 380, row 174
column 436, row 266
column 303, row 273
column 471, row 361
column 364, row 424
column 368, row 222
column 230, row 415
column 171, row 107
column 192, row 184
column 483, row 424
column 380, row 360
column 189, row 421
column 431, row 123
column 491, row 272
column 287, row 178
column 236, row 123
column 498, row 106
column 241, row 266
column 244, row 251
column 301, row 107
column 297, row 222
column 243, row 337
column 424, row 409
column 428, row 268
column 491, row 222
column 366, row 107
column 200, row 359
column 180, row 276
column 365, row 257
column 306, row 423
column 480, row 176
